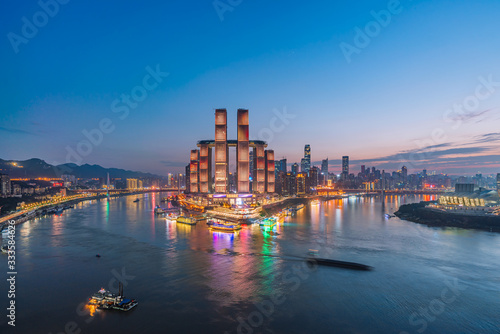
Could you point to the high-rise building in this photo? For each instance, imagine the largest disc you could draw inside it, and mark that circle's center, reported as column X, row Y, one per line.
column 498, row 184
column 283, row 167
column 5, row 185
column 187, row 171
column 270, row 177
column 362, row 169
column 277, row 166
column 303, row 165
column 132, row 184
column 295, row 168
column 307, row 157
column 251, row 168
column 404, row 174
column 301, row 183
column 221, row 153
column 242, row 153
column 194, row 176
column 312, row 180
column 345, row 167
column 259, row 180
column 324, row 171
column 205, row 169
column 252, row 161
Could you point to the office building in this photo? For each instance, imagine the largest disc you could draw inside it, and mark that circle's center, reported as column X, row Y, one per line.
column 303, row 165
column 307, row 157
column 324, row 171
column 345, row 167
column 132, row 184
column 251, row 161
column 283, row 166
column 5, row 185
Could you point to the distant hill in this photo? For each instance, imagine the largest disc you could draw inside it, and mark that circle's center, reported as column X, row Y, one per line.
column 34, row 168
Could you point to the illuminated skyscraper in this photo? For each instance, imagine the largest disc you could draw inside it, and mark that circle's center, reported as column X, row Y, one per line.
column 221, row 153
column 324, row 172
column 242, row 153
column 307, row 157
column 303, row 165
column 205, row 169
column 270, row 177
column 5, row 185
column 259, row 181
column 345, row 167
column 301, row 183
column 194, row 178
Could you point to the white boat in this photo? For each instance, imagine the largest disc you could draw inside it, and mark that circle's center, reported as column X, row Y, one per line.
column 5, row 233
column 171, row 217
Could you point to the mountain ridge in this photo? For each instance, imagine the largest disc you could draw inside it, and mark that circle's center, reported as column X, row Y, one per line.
column 35, row 168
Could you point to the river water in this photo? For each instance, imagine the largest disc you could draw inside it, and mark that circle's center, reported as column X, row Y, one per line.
column 191, row 280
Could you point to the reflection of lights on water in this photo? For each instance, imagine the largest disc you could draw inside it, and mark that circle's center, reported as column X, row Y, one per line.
column 91, row 308
column 224, row 235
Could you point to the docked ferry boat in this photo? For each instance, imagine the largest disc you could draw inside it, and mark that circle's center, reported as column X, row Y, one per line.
column 186, row 220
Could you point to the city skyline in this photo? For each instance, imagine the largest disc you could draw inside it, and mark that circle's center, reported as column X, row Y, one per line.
column 405, row 96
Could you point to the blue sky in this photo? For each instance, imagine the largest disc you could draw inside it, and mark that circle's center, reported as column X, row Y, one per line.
column 398, row 101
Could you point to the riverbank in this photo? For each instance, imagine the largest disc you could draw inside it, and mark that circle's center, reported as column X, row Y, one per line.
column 25, row 215
column 421, row 214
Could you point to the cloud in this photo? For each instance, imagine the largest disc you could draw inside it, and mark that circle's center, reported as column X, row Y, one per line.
column 487, row 138
column 477, row 116
column 17, row 131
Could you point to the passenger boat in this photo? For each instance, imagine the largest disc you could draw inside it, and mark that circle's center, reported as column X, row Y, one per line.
column 186, row 220
column 159, row 210
column 268, row 222
column 315, row 202
column 5, row 233
column 171, row 216
column 223, row 226
column 106, row 300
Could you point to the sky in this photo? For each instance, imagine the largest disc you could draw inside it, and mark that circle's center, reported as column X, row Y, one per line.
column 134, row 85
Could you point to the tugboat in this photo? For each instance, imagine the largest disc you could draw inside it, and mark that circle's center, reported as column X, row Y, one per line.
column 105, row 300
